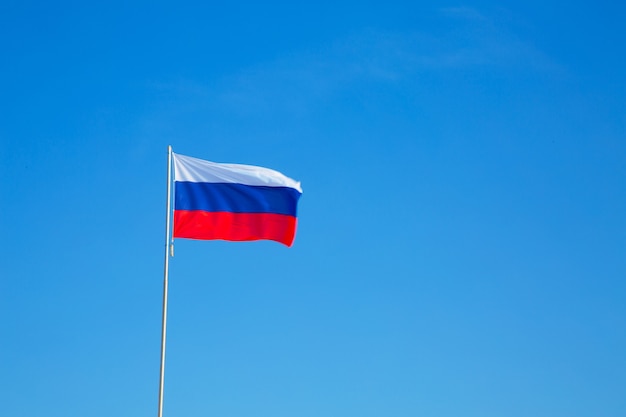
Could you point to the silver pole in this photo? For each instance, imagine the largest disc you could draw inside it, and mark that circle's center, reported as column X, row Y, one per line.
column 167, row 264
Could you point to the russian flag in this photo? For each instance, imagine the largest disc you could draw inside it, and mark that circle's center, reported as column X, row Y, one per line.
column 233, row 202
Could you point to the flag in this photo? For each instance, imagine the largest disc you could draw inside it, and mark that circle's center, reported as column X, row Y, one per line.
column 233, row 202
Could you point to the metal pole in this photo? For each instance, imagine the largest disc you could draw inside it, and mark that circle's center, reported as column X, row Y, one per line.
column 167, row 259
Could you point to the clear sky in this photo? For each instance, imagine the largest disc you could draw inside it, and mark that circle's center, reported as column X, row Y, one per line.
column 462, row 232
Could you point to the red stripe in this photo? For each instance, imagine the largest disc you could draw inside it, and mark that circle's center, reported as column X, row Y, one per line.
column 205, row 225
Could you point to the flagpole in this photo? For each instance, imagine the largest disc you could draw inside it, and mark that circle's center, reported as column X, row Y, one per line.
column 165, row 275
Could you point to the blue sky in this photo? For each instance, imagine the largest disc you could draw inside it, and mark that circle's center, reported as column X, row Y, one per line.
column 461, row 238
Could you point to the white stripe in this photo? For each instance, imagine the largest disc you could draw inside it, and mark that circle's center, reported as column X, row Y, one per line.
column 191, row 169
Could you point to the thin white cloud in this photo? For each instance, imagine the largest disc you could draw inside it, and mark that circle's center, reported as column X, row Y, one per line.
column 469, row 41
column 463, row 12
column 479, row 40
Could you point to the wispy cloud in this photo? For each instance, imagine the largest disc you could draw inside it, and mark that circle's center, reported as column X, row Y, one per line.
column 480, row 40
column 465, row 39
column 470, row 40
column 463, row 12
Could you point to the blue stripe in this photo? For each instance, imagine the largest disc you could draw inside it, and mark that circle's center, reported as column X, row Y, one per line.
column 235, row 198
